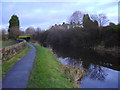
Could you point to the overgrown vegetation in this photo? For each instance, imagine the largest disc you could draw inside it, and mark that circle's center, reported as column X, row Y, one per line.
column 80, row 37
column 47, row 71
column 6, row 65
column 83, row 31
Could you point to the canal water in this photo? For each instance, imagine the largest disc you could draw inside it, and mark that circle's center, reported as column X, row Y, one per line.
column 102, row 70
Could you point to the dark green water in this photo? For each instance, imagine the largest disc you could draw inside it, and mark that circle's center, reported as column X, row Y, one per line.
column 102, row 69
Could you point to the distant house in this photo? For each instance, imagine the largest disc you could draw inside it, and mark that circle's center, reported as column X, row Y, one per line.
column 66, row 26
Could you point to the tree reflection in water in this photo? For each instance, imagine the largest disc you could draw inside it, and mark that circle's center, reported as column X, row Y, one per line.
column 73, row 62
column 90, row 60
column 96, row 72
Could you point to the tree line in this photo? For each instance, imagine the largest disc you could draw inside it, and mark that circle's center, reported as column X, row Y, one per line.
column 79, row 37
column 93, row 33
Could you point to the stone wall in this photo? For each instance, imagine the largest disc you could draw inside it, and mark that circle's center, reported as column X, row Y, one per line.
column 8, row 52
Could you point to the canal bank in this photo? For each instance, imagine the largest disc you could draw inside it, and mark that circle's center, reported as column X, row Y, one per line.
column 48, row 72
column 102, row 71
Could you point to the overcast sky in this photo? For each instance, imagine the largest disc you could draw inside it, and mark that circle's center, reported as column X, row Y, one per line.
column 46, row 14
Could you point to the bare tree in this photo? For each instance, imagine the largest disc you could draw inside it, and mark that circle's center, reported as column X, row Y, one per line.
column 76, row 17
column 38, row 29
column 3, row 34
column 37, row 34
column 30, row 30
column 100, row 18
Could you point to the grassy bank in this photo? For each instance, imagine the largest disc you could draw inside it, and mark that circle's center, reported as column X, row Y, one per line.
column 0, row 69
column 6, row 65
column 47, row 71
column 7, row 43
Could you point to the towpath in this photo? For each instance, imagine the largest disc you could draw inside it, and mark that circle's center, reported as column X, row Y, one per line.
column 18, row 75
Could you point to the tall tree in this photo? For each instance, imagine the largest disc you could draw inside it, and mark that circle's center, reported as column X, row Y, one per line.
column 14, row 33
column 92, row 29
column 87, row 22
column 100, row 18
column 13, row 23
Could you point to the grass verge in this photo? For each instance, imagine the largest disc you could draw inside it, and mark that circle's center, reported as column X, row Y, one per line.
column 6, row 65
column 8, row 43
column 47, row 71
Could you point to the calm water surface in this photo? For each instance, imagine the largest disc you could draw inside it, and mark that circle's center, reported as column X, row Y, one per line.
column 102, row 69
